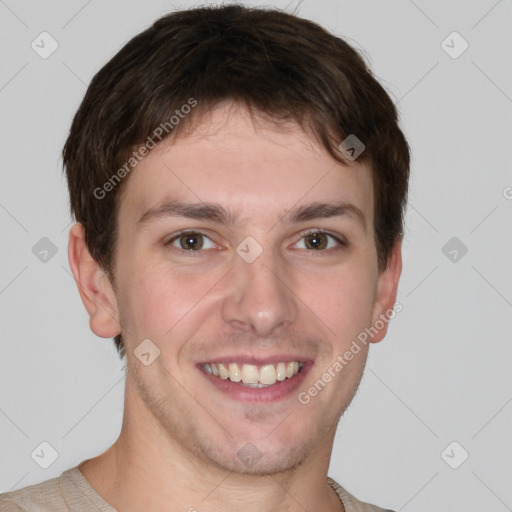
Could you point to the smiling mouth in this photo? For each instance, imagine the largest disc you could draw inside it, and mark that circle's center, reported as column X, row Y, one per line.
column 253, row 376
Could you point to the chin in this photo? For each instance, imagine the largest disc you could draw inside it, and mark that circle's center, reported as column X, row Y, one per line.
column 257, row 460
column 271, row 451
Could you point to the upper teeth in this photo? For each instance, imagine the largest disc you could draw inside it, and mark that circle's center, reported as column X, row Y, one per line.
column 252, row 374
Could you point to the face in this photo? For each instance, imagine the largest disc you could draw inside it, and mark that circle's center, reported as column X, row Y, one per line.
column 245, row 251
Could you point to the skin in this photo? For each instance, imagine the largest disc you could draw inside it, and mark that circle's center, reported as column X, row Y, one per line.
column 178, row 446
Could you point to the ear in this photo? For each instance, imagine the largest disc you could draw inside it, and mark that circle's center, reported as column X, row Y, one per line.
column 386, row 292
column 94, row 286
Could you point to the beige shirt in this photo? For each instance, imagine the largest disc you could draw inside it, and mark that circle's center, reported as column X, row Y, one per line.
column 71, row 492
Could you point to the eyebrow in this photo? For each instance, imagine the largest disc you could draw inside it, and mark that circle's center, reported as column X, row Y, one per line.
column 217, row 213
column 197, row 211
column 326, row 210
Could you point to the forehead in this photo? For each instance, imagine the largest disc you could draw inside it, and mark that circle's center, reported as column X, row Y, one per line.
column 247, row 163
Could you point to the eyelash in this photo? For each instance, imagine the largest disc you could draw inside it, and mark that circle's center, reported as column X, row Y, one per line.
column 191, row 253
column 187, row 252
column 341, row 241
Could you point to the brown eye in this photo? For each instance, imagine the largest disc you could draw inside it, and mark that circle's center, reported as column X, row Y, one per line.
column 191, row 241
column 320, row 241
column 316, row 241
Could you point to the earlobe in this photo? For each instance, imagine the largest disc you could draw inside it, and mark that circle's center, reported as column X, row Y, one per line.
column 386, row 292
column 94, row 286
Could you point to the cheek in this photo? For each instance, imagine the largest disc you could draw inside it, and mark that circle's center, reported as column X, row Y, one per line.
column 343, row 300
column 158, row 302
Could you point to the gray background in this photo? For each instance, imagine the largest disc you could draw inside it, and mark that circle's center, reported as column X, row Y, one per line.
column 443, row 372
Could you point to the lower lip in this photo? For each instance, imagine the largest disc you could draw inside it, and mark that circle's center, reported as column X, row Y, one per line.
column 278, row 391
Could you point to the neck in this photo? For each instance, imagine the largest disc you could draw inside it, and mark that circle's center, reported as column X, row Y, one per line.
column 148, row 469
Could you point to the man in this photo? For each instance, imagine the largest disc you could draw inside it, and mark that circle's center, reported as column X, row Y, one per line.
column 239, row 180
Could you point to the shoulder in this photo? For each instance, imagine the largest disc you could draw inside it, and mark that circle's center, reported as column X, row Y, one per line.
column 350, row 503
column 43, row 496
column 69, row 492
column 6, row 505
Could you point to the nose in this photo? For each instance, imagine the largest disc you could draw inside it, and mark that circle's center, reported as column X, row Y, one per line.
column 258, row 299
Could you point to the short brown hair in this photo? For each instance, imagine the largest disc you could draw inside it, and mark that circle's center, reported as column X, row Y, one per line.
column 275, row 63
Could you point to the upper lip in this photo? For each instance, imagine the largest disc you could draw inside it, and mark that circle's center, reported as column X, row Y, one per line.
column 258, row 361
